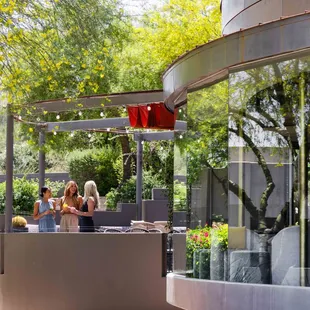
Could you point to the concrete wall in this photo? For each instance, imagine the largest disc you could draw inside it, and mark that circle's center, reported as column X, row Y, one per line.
column 127, row 213
column 195, row 294
column 83, row 272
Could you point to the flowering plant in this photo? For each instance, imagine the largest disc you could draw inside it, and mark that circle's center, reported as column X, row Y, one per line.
column 202, row 238
column 198, row 238
column 220, row 235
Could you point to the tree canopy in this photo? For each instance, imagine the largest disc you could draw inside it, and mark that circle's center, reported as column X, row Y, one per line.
column 59, row 48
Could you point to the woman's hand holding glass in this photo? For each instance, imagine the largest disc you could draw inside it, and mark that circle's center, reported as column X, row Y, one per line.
column 73, row 210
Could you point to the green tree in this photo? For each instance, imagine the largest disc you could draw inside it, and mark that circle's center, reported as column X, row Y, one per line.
column 263, row 117
column 55, row 48
column 166, row 33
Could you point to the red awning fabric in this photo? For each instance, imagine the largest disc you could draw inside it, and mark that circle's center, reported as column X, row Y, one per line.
column 134, row 117
column 152, row 116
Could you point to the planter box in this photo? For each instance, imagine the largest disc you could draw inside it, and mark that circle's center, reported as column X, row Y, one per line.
column 20, row 229
column 204, row 264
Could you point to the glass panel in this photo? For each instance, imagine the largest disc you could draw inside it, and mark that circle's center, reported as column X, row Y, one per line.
column 205, row 145
column 268, row 109
column 247, row 158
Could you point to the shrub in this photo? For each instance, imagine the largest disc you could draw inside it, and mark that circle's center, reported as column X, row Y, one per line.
column 19, row 221
column 126, row 192
column 96, row 165
column 25, row 194
column 202, row 238
column 179, row 192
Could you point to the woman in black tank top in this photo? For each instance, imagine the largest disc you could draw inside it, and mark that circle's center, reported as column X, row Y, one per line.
column 90, row 203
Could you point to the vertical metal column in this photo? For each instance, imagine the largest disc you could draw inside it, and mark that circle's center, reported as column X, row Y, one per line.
column 139, row 177
column 303, row 188
column 291, row 210
column 9, row 170
column 41, row 159
column 240, row 179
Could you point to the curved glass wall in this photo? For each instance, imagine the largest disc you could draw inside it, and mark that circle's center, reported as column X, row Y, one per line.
column 247, row 166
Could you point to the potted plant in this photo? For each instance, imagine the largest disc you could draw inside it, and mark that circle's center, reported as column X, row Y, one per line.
column 205, row 251
column 198, row 245
column 19, row 224
column 219, row 244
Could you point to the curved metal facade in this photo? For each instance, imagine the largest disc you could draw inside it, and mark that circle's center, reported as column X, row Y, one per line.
column 217, row 72
column 212, row 60
column 238, row 14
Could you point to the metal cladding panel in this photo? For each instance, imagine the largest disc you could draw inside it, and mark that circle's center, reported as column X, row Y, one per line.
column 260, row 44
column 231, row 8
column 272, row 39
column 254, row 12
column 292, row 7
column 261, row 12
column 247, row 3
column 252, row 46
column 233, row 50
column 296, row 36
column 218, row 56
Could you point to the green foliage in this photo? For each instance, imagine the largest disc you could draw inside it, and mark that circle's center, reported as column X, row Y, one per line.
column 55, row 187
column 127, row 192
column 158, row 159
column 206, row 141
column 203, row 237
column 180, row 196
column 25, row 193
column 96, row 165
column 220, row 235
column 59, row 48
column 166, row 33
column 199, row 238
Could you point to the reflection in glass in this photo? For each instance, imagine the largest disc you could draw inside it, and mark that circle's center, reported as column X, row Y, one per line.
column 204, row 151
column 247, row 159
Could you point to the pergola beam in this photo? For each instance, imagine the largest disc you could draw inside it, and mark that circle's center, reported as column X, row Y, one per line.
column 115, row 122
column 154, row 136
column 103, row 123
column 100, row 101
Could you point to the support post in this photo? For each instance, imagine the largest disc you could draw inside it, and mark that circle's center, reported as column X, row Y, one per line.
column 139, row 178
column 41, row 159
column 9, row 170
column 303, row 188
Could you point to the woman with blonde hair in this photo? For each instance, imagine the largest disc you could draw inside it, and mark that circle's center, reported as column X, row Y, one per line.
column 90, row 203
column 69, row 202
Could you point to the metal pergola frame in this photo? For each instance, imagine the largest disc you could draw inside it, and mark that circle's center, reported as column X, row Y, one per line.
column 89, row 102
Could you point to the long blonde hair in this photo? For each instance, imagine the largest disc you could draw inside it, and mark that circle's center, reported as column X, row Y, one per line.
column 74, row 196
column 90, row 190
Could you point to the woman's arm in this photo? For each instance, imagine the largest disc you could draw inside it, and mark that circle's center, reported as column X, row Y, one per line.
column 91, row 208
column 80, row 200
column 62, row 211
column 54, row 206
column 36, row 215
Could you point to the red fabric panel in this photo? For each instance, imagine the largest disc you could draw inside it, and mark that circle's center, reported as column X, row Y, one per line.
column 154, row 116
column 164, row 118
column 144, row 115
column 134, row 116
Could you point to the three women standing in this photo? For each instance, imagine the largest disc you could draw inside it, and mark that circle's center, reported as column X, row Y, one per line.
column 75, row 211
column 45, row 211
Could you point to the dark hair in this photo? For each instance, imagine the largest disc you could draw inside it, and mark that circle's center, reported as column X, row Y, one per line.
column 43, row 190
